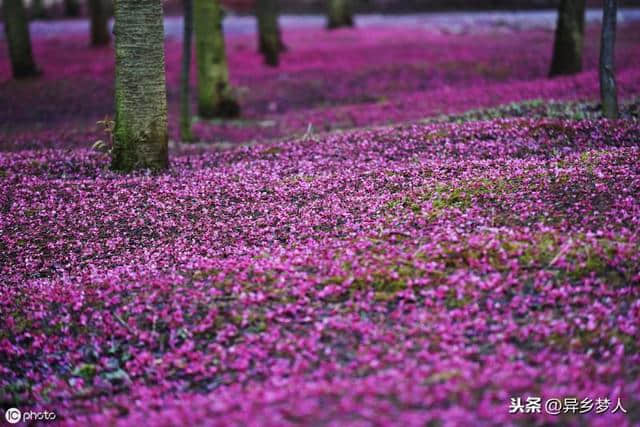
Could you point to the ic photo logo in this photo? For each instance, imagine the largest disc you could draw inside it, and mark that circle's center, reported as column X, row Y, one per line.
column 13, row 415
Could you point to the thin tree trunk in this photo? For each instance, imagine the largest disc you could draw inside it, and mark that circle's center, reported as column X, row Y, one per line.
column 185, row 101
column 269, row 34
column 18, row 39
column 99, row 17
column 71, row 8
column 608, row 90
column 140, row 134
column 567, row 49
column 340, row 14
column 215, row 95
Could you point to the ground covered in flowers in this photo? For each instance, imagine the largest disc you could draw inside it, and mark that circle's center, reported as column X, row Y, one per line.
column 422, row 273
column 327, row 81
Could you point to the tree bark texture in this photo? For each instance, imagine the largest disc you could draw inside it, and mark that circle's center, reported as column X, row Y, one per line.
column 140, row 134
column 608, row 90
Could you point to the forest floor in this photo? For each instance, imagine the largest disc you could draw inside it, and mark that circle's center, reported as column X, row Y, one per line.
column 343, row 79
column 405, row 227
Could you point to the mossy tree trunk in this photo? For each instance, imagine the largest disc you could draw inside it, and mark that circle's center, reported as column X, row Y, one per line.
column 99, row 18
column 18, row 39
column 567, row 49
column 215, row 95
column 608, row 90
column 140, row 134
column 185, row 101
column 340, row 14
column 269, row 34
column 71, row 8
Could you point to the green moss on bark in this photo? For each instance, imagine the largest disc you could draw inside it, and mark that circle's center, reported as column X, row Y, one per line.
column 215, row 94
column 140, row 135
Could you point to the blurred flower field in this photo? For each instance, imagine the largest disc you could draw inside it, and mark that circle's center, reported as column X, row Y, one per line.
column 342, row 79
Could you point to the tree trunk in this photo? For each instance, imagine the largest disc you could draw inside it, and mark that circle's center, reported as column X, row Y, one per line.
column 18, row 39
column 340, row 14
column 185, row 102
column 215, row 95
column 567, row 49
column 99, row 17
column 38, row 11
column 140, row 134
column 608, row 91
column 71, row 8
column 269, row 34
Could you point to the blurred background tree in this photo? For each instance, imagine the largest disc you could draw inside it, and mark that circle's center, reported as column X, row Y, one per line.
column 567, row 49
column 215, row 95
column 18, row 39
column 185, row 97
column 38, row 10
column 269, row 35
column 339, row 14
column 72, row 8
column 99, row 17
